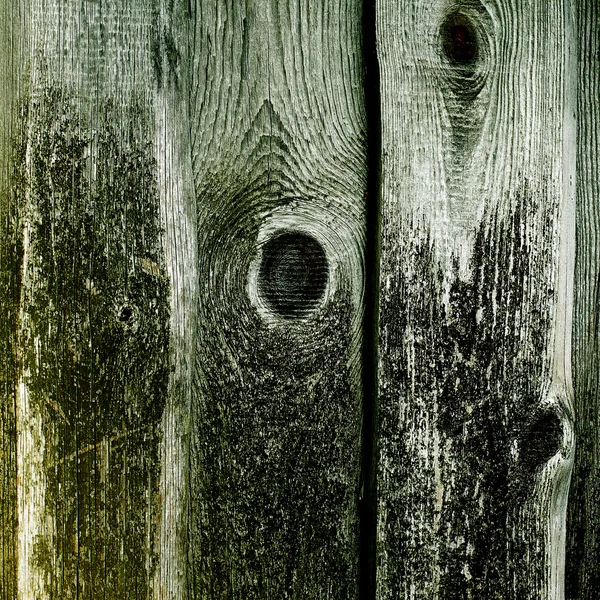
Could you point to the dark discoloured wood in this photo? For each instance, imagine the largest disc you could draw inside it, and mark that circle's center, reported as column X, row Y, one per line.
column 476, row 433
column 583, row 565
column 270, row 95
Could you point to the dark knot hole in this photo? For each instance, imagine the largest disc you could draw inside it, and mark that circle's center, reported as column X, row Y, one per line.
column 293, row 274
column 125, row 314
column 459, row 39
column 541, row 440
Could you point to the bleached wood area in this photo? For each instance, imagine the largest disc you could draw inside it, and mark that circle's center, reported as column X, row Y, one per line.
column 299, row 299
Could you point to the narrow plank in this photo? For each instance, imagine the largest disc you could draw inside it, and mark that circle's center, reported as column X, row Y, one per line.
column 12, row 34
column 583, row 570
column 270, row 93
column 475, row 402
column 94, row 305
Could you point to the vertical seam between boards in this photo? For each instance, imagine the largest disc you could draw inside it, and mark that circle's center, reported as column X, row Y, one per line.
column 368, row 491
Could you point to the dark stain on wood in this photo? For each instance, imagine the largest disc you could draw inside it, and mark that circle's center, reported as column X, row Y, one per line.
column 459, row 39
column 275, row 472
column 472, row 366
column 95, row 342
column 11, row 256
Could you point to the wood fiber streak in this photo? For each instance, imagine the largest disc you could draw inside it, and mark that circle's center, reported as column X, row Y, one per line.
column 94, row 305
column 583, row 568
column 274, row 110
column 475, row 402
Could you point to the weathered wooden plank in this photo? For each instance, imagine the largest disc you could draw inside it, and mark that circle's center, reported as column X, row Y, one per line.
column 583, row 567
column 476, row 431
column 269, row 95
column 12, row 34
column 94, row 304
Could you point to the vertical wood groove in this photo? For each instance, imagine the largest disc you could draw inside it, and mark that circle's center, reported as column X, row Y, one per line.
column 371, row 327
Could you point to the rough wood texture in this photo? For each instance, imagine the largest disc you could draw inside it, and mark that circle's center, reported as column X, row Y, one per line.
column 268, row 97
column 94, row 304
column 583, row 566
column 182, row 241
column 476, row 432
column 10, row 253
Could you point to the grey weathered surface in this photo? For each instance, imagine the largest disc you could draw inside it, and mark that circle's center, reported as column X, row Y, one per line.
column 583, row 544
column 181, row 415
column 476, row 433
column 268, row 95
column 94, row 303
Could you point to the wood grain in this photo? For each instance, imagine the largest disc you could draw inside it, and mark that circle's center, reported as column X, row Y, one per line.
column 94, row 304
column 12, row 35
column 476, row 416
column 269, row 95
column 583, row 570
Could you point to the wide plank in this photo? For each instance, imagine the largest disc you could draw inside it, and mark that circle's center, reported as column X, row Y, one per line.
column 476, row 433
column 93, row 302
column 263, row 105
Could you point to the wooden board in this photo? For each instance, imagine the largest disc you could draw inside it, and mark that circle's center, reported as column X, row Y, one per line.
column 94, row 303
column 583, row 568
column 10, row 252
column 476, row 416
column 267, row 102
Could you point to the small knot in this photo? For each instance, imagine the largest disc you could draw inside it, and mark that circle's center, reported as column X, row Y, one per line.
column 125, row 314
column 459, row 39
